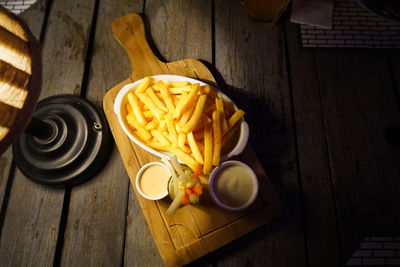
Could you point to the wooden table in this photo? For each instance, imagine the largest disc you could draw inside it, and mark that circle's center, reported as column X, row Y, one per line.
column 324, row 123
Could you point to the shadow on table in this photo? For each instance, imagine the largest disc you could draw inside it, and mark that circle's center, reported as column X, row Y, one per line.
column 268, row 134
column 271, row 141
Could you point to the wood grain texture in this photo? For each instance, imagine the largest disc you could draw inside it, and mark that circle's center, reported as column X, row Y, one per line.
column 180, row 29
column 14, row 50
column 9, row 23
column 31, row 224
column 64, row 47
column 316, row 185
column 359, row 106
column 28, row 235
column 140, row 249
column 99, row 236
column 30, row 227
column 189, row 23
column 14, row 89
column 34, row 17
column 177, row 240
column 5, row 167
column 6, row 157
column 251, row 59
column 187, row 235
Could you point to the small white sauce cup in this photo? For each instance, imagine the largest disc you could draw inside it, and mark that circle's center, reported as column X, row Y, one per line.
column 214, row 176
column 139, row 176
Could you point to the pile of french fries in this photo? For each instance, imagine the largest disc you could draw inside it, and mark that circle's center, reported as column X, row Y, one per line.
column 187, row 120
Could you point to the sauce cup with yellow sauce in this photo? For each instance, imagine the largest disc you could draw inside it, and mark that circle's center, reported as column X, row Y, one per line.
column 152, row 180
column 233, row 185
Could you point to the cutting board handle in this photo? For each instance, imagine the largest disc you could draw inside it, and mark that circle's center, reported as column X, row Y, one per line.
column 129, row 32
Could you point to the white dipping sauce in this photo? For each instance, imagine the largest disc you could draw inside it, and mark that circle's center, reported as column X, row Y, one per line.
column 234, row 186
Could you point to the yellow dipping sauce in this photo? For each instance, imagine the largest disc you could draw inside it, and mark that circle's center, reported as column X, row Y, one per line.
column 154, row 181
column 234, row 186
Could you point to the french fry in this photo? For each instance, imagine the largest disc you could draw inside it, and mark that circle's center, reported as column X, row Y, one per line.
column 229, row 109
column 150, row 93
column 181, row 140
column 185, row 102
column 158, row 113
column 175, row 100
column 178, row 128
column 131, row 120
column 143, row 85
column 157, row 145
column 166, row 135
column 186, row 149
column 157, row 86
column 203, row 121
column 183, row 95
column 207, row 90
column 148, row 115
column 178, row 83
column 162, row 126
column 187, row 159
column 171, row 128
column 159, row 96
column 151, row 125
column 210, row 110
column 188, row 120
column 235, row 118
column 186, row 116
column 229, row 134
column 180, row 90
column 160, row 138
column 207, row 149
column 195, row 148
column 141, row 135
column 134, row 103
column 216, row 138
column 129, row 108
column 166, row 97
column 219, row 104
column 194, row 119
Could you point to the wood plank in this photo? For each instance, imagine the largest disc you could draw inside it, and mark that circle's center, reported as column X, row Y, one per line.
column 98, row 237
column 64, row 48
column 32, row 219
column 34, row 14
column 180, row 29
column 167, row 19
column 316, row 185
column 359, row 106
column 242, row 51
column 13, row 254
column 5, row 167
column 31, row 223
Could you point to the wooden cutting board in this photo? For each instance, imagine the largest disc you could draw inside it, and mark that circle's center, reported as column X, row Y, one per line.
column 194, row 230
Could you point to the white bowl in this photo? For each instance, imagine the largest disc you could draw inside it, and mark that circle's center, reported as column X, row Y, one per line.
column 121, row 100
column 139, row 176
column 216, row 196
